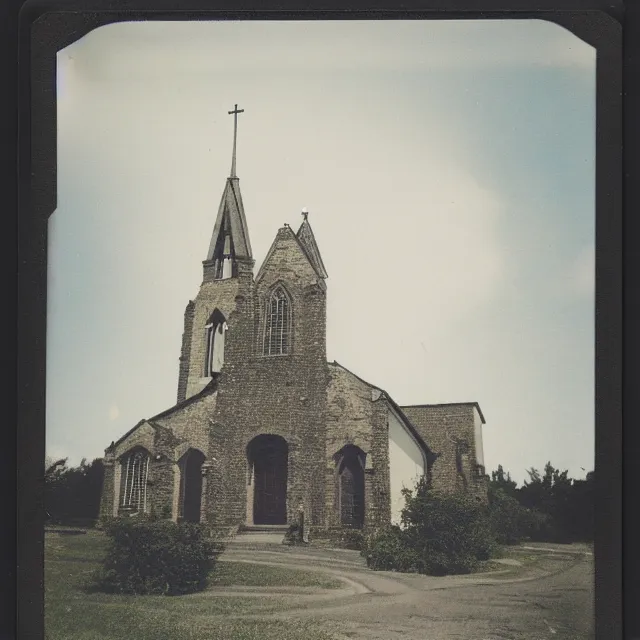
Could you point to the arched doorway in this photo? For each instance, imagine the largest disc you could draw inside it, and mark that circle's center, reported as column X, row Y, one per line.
column 350, row 486
column 191, row 485
column 268, row 463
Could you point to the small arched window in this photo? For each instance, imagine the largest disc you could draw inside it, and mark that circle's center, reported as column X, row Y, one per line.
column 350, row 462
column 135, row 470
column 277, row 330
column 214, row 340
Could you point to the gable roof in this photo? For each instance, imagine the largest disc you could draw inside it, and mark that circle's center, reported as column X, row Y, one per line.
column 289, row 231
column 209, row 388
column 231, row 210
column 414, row 432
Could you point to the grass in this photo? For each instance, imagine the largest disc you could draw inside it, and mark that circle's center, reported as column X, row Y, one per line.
column 244, row 574
column 74, row 611
column 527, row 559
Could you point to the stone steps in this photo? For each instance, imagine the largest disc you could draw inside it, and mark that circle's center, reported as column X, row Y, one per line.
column 264, row 528
column 257, row 535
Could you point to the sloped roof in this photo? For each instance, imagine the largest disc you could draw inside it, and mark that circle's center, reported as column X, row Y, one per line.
column 394, row 404
column 308, row 241
column 232, row 209
column 317, row 267
column 211, row 387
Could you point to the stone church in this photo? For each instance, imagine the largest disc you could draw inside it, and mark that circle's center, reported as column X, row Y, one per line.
column 263, row 425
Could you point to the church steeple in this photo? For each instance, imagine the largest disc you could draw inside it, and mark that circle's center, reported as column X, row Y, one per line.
column 230, row 238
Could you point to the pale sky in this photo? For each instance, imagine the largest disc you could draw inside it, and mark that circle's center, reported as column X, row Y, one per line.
column 449, row 171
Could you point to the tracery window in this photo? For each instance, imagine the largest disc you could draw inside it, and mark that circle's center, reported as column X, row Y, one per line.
column 277, row 333
column 135, row 470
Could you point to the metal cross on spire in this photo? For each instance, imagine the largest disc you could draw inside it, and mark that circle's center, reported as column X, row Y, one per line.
column 235, row 113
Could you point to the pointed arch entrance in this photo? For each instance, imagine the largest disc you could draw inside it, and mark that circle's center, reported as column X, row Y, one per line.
column 191, row 485
column 268, row 467
column 350, row 462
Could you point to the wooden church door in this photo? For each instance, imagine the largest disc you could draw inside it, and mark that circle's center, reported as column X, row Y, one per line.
column 270, row 489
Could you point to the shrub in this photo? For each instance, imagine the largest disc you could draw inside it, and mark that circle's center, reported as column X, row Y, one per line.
column 156, row 557
column 387, row 550
column 509, row 520
column 351, row 539
column 450, row 531
column 440, row 534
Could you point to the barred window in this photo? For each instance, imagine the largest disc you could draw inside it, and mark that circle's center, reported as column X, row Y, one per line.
column 135, row 468
column 277, row 333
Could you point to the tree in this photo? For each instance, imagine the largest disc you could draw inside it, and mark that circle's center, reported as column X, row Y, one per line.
column 502, row 481
column 72, row 494
column 566, row 504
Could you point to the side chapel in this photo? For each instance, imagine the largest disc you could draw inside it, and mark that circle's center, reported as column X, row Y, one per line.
column 263, row 424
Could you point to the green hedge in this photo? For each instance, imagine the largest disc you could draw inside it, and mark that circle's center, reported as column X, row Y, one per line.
column 157, row 557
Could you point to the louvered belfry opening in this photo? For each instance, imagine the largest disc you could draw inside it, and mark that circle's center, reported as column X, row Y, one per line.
column 351, row 486
column 277, row 334
column 268, row 457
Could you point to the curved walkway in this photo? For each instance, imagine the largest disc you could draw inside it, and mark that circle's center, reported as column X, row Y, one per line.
column 550, row 598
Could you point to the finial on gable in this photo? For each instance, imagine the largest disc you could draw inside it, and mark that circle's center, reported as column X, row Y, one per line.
column 305, row 213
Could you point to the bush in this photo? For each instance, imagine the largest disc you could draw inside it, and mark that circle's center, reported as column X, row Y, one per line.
column 72, row 494
column 156, row 557
column 509, row 520
column 387, row 550
column 440, row 534
column 351, row 539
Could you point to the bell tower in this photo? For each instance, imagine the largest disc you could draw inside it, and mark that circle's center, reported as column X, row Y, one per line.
column 209, row 339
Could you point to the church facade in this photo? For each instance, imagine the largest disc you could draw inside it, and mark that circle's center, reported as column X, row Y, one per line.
column 263, row 425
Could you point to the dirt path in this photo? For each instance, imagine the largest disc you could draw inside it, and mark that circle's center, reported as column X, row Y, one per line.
column 550, row 600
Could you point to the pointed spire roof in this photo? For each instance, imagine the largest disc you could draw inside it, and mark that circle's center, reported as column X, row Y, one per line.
column 231, row 217
column 308, row 241
column 231, row 220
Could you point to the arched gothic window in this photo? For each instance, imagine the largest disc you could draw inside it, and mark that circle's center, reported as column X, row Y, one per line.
column 135, row 469
column 215, row 334
column 277, row 330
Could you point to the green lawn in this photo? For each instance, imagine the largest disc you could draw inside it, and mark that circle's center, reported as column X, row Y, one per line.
column 243, row 574
column 73, row 611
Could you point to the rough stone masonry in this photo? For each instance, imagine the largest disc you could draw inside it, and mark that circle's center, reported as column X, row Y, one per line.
column 263, row 424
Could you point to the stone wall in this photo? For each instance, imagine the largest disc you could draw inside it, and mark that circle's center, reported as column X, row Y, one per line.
column 357, row 414
column 444, row 428
column 227, row 296
column 185, row 352
column 281, row 395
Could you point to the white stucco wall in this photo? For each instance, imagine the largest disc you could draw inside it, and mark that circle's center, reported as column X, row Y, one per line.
column 477, row 428
column 406, row 463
